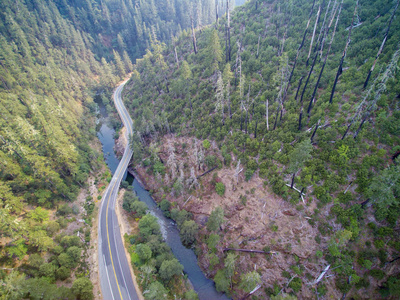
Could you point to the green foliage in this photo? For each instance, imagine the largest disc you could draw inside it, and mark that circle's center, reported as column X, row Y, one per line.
column 144, row 252
column 216, row 219
column 222, row 283
column 206, row 144
column 159, row 167
column 129, row 200
column 139, row 208
column 170, row 268
column 165, row 206
column 249, row 281
column 191, row 295
column 213, row 241
column 156, row 291
column 180, row 216
column 383, row 190
column 83, row 288
column 220, row 188
column 148, row 225
column 188, row 232
column 296, row 284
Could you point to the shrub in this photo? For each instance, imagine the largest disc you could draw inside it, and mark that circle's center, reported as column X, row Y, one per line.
column 206, row 144
column 296, row 284
column 377, row 273
column 220, row 188
column 188, row 232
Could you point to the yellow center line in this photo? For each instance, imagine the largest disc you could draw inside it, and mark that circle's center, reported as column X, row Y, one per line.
column 108, row 202
column 108, row 236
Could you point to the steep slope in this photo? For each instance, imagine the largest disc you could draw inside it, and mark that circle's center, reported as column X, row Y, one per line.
column 55, row 57
column 269, row 110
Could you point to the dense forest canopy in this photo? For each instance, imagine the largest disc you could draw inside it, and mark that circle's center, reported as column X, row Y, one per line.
column 305, row 95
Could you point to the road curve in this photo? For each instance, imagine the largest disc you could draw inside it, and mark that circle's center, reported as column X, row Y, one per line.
column 115, row 276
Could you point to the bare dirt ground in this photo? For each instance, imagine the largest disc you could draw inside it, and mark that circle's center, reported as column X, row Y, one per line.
column 256, row 219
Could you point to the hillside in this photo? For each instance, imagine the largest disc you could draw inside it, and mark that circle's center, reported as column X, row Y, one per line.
column 56, row 57
column 300, row 117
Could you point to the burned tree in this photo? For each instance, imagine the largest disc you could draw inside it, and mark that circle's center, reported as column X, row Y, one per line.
column 228, row 33
column 302, row 42
column 313, row 35
column 194, row 37
column 382, row 45
column 219, row 95
column 340, row 69
column 374, row 93
column 324, row 63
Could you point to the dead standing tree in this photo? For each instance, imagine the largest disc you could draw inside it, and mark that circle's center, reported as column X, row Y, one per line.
column 228, row 33
column 382, row 45
column 284, row 63
column 313, row 64
column 302, row 42
column 194, row 37
column 313, row 35
column 219, row 96
column 340, row 69
column 324, row 64
column 368, row 103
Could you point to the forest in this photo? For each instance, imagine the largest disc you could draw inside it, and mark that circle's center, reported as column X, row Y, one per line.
column 271, row 127
column 56, row 59
column 299, row 99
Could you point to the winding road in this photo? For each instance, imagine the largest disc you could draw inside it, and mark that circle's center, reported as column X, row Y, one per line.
column 115, row 276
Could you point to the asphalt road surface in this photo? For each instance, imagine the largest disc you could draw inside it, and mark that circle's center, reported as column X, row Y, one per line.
column 115, row 276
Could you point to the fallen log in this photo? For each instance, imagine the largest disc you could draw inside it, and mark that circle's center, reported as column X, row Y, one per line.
column 206, row 172
column 251, row 251
column 321, row 275
column 252, row 292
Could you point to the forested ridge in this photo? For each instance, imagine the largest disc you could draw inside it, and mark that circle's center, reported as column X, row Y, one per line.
column 55, row 58
column 304, row 97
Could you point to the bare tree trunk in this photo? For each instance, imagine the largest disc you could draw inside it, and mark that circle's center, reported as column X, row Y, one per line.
column 241, row 118
column 176, row 58
column 194, row 38
column 238, row 62
column 258, row 45
column 229, row 29
column 298, row 88
column 382, row 45
column 326, row 30
column 321, row 275
column 226, row 43
column 245, row 250
column 276, row 117
column 302, row 42
column 322, row 30
column 313, row 36
column 361, row 125
column 266, row 114
column 247, row 113
column 339, row 71
column 326, row 58
column 300, row 117
column 347, row 130
column 228, row 87
column 315, row 131
column 216, row 14
column 291, row 185
column 308, row 78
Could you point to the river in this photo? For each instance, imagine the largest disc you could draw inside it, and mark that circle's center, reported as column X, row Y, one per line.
column 204, row 287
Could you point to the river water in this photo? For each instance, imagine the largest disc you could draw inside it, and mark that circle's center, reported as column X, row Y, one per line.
column 204, row 287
